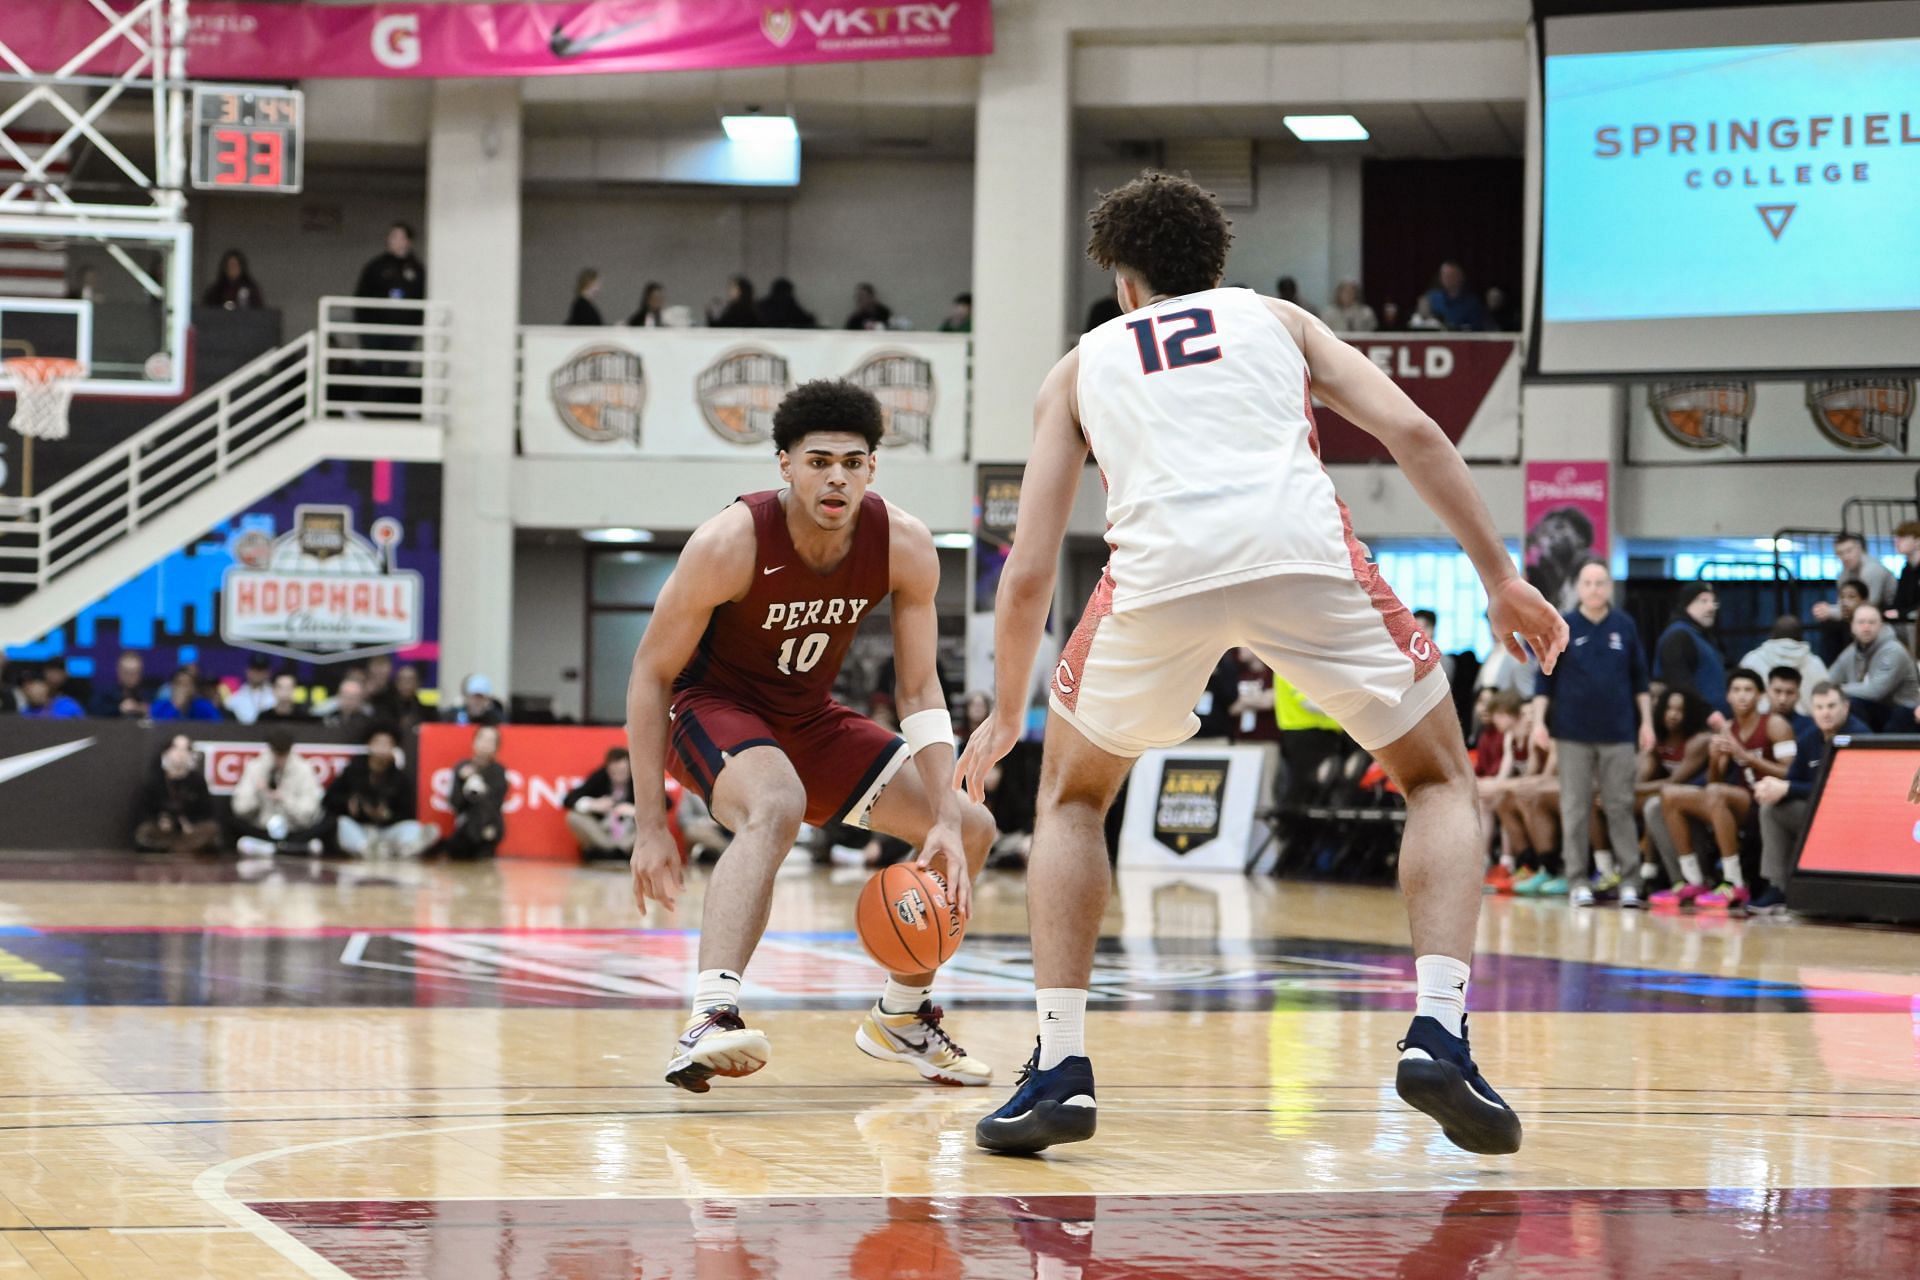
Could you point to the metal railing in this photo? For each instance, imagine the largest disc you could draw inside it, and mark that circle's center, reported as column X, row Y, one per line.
column 369, row 359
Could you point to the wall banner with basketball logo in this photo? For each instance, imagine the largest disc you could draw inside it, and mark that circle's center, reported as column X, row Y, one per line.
column 1568, row 518
column 1469, row 384
column 1192, row 809
column 1735, row 419
column 711, row 393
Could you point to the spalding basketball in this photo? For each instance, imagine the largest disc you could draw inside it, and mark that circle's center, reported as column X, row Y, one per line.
column 905, row 921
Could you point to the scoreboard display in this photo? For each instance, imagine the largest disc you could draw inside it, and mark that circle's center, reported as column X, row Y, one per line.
column 247, row 138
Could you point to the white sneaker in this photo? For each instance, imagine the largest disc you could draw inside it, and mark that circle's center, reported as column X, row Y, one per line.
column 919, row 1040
column 1580, row 895
column 254, row 846
column 1630, row 899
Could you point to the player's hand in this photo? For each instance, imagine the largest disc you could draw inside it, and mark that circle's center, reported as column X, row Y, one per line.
column 1822, row 611
column 1517, row 612
column 986, row 748
column 656, row 868
column 944, row 855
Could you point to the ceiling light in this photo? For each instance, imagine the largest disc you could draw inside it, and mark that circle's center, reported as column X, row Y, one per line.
column 1326, row 128
column 762, row 130
column 617, row 534
column 953, row 541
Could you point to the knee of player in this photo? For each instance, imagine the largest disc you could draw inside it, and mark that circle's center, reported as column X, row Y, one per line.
column 978, row 831
column 778, row 813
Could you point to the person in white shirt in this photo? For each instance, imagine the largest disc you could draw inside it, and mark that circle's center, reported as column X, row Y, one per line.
column 277, row 802
column 256, row 695
column 1350, row 312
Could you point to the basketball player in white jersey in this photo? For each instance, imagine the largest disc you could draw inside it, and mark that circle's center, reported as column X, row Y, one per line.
column 1226, row 531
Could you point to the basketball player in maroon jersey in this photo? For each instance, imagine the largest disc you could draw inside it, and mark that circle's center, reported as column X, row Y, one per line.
column 740, row 656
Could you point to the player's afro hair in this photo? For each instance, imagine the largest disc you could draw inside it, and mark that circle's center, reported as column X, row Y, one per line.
column 1163, row 228
column 828, row 404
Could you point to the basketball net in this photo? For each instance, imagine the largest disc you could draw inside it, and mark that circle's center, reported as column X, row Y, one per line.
column 43, row 389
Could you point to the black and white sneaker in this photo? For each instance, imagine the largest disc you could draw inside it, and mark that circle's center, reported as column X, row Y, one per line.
column 1050, row 1106
column 1436, row 1075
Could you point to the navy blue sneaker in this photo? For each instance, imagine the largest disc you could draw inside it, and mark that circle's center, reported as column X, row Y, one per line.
column 1048, row 1107
column 1446, row 1085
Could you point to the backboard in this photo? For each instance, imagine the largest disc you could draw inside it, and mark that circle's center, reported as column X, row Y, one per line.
column 120, row 302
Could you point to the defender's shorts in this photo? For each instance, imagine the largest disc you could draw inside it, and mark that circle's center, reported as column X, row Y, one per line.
column 844, row 759
column 1129, row 681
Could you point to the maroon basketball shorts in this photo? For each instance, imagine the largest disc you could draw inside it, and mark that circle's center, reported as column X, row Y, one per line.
column 844, row 759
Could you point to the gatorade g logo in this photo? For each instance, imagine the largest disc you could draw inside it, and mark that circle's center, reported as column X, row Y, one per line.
column 396, row 41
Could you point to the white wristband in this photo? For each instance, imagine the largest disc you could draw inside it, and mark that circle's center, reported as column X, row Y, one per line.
column 925, row 729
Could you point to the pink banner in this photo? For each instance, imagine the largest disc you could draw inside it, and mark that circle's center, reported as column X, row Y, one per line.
column 242, row 41
column 1568, row 520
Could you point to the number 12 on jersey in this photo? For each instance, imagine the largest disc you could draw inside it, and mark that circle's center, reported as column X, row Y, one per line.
column 1167, row 348
column 810, row 650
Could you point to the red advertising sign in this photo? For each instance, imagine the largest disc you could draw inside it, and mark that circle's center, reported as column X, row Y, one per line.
column 1864, row 825
column 543, row 763
column 225, row 761
column 1469, row 386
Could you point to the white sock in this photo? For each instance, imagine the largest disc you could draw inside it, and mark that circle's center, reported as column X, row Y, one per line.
column 1730, row 872
column 1604, row 860
column 902, row 997
column 1648, row 870
column 1442, row 990
column 716, row 987
column 1063, row 1024
column 1506, row 861
column 1690, row 869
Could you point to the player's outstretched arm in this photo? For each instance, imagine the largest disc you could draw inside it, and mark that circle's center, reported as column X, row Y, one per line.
column 1365, row 396
column 716, row 566
column 1027, row 581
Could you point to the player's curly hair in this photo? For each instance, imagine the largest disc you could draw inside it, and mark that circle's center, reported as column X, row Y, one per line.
column 1164, row 228
column 828, row 404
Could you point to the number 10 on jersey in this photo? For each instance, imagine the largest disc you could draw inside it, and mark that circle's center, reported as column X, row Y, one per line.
column 809, row 657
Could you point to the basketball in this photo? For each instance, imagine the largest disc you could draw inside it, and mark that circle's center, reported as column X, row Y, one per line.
column 905, row 921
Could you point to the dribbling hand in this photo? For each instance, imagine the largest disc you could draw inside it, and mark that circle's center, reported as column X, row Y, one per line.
column 656, row 869
column 986, row 748
column 1517, row 611
column 944, row 855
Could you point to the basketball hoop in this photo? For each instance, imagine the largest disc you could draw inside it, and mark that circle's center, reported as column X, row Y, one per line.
column 43, row 387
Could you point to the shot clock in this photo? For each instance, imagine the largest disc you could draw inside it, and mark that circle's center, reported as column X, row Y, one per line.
column 247, row 138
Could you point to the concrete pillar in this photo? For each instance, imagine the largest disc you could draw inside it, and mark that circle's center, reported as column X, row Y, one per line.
column 1024, row 229
column 473, row 254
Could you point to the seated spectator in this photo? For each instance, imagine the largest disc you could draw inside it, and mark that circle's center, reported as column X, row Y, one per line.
column 1787, row 647
column 600, row 809
column 1528, row 814
column 379, row 678
column 738, row 311
column 1452, row 304
column 1876, row 672
column 706, row 839
column 868, row 311
column 350, row 710
column 130, row 695
column 477, row 793
column 1350, row 312
column 780, row 309
column 1785, row 697
column 1836, row 630
column 584, row 312
column 477, row 703
column 1498, row 759
column 38, row 701
column 960, row 319
column 1906, row 592
column 652, row 311
column 1856, row 566
column 255, row 696
column 401, row 703
column 1391, row 321
column 183, row 700
column 176, row 809
column 372, row 803
column 1750, row 745
column 1785, row 803
column 233, row 285
column 278, row 804
column 285, row 688
column 1287, row 289
column 1687, row 656
column 1423, row 318
column 1501, row 317
column 1682, row 743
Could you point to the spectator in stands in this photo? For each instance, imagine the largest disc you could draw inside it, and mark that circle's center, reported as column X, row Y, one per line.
column 1595, row 708
column 478, row 797
column 738, row 310
column 1308, row 736
column 960, row 319
column 1786, row 802
column 372, row 803
column 780, row 309
column 600, row 810
column 584, row 310
column 477, row 703
column 1856, row 566
column 350, row 710
column 61, row 684
column 1688, row 657
column 868, row 311
column 1504, row 671
column 176, row 810
column 285, row 689
column 1350, row 312
column 1749, row 745
column 1528, row 813
column 401, row 702
column 255, row 696
column 1102, row 309
column 1836, row 629
column 1391, row 321
column 1787, row 646
column 379, row 678
column 1287, row 289
column 1877, row 673
column 1450, row 302
column 1786, row 695
column 1680, row 751
column 38, row 701
column 1423, row 318
column 397, row 273
column 1906, row 592
column 130, row 695
column 652, row 311
column 233, row 285
column 183, row 700
column 1499, row 759
column 1501, row 317
column 278, row 804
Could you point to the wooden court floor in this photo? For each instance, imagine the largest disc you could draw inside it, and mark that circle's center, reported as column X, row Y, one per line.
column 321, row 1069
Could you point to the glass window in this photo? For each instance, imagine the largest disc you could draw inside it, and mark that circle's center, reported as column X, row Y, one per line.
column 615, row 635
column 630, row 577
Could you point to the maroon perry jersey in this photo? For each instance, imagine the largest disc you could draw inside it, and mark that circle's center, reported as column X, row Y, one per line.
column 779, row 648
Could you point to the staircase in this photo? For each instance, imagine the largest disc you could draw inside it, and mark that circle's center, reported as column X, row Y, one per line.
column 369, row 382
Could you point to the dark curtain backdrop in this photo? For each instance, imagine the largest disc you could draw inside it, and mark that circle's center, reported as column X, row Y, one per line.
column 1418, row 213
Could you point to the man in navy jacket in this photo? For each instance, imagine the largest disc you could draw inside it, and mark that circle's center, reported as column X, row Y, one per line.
column 1786, row 803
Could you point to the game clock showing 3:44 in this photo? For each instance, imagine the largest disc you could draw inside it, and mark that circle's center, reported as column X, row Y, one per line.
column 247, row 138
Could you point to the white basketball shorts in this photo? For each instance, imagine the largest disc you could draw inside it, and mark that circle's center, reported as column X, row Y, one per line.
column 1129, row 681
